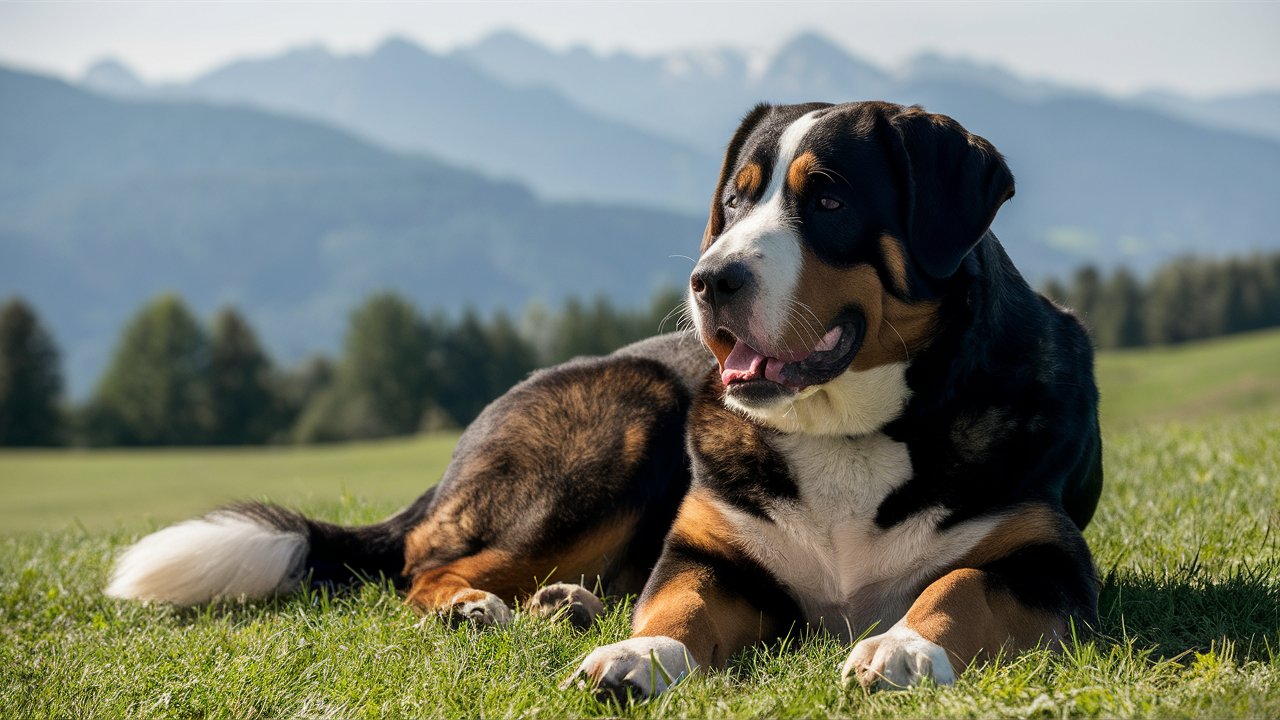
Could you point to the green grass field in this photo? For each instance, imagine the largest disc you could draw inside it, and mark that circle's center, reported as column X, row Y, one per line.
column 1185, row 536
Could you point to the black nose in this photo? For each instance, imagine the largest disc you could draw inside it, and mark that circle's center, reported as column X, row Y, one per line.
column 717, row 285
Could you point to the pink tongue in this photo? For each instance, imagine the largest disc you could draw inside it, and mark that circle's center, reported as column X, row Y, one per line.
column 743, row 363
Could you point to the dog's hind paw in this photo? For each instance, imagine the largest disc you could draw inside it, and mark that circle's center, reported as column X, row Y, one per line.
column 640, row 668
column 575, row 603
column 478, row 608
column 897, row 659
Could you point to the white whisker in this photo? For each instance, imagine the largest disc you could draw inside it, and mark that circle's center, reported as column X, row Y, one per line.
column 905, row 352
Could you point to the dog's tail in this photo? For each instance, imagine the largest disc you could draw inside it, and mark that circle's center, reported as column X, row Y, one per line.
column 253, row 550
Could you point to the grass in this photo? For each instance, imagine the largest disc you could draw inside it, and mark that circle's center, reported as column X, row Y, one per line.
column 1231, row 375
column 1185, row 537
column 103, row 489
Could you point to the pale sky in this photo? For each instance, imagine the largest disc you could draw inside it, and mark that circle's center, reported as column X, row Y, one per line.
column 1197, row 48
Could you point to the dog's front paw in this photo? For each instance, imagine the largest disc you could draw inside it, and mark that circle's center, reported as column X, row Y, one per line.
column 897, row 659
column 575, row 603
column 641, row 668
column 479, row 608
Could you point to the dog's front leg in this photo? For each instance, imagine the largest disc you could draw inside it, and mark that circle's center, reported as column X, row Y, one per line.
column 704, row 601
column 1019, row 595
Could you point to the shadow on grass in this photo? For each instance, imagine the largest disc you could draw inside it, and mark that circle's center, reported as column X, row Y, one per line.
column 310, row 600
column 1186, row 611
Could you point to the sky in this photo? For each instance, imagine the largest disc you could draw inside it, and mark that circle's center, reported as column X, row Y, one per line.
column 1195, row 48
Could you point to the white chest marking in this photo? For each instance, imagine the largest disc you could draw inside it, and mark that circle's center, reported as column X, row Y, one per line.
column 843, row 570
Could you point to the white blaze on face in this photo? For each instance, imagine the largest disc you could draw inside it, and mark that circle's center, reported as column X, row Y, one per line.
column 766, row 240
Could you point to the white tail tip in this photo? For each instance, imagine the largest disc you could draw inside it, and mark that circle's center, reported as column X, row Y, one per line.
column 220, row 556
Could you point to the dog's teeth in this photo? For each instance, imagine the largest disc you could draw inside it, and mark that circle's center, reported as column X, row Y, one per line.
column 828, row 341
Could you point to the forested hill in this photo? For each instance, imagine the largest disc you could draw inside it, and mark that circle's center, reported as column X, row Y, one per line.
column 104, row 203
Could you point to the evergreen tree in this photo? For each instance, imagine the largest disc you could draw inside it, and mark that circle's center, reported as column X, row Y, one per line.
column 1086, row 289
column 384, row 380
column 385, row 361
column 1119, row 313
column 461, row 360
column 241, row 400
column 538, row 329
column 297, row 387
column 155, row 391
column 1170, row 305
column 511, row 357
column 30, row 380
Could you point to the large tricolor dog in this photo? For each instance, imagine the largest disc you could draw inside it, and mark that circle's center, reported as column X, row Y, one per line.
column 891, row 432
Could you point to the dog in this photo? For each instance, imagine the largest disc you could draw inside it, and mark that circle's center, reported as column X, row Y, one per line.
column 875, row 426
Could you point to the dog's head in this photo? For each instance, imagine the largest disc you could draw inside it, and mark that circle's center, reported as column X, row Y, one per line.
column 833, row 230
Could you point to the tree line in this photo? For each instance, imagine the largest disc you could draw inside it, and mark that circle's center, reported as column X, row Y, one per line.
column 172, row 380
column 1186, row 299
column 176, row 381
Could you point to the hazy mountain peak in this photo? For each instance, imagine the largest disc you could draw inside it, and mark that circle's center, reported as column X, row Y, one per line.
column 508, row 40
column 710, row 62
column 811, row 42
column 312, row 51
column 398, row 46
column 932, row 66
column 813, row 48
column 112, row 77
column 811, row 62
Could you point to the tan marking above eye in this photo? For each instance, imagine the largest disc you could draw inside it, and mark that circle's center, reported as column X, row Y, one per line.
column 749, row 178
column 804, row 164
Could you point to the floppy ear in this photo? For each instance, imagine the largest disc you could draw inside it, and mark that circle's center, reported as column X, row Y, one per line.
column 715, row 223
column 957, row 181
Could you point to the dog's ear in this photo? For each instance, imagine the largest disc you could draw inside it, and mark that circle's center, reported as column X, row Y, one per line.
column 715, row 223
column 956, row 182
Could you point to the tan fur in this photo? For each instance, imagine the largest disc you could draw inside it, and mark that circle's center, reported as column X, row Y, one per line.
column 712, row 624
column 701, row 524
column 578, row 420
column 1034, row 524
column 635, row 442
column 798, row 173
column 723, row 433
column 974, row 621
column 896, row 329
column 895, row 261
column 749, row 179
column 516, row 578
column 689, row 607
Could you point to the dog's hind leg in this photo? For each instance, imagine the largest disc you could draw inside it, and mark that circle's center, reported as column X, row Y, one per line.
column 454, row 590
column 476, row 588
column 566, row 601
column 571, row 477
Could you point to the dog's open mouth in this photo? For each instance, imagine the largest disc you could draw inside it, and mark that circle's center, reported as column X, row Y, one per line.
column 830, row 356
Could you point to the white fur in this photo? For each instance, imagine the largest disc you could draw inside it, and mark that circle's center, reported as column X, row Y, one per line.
column 845, row 572
column 649, row 665
column 215, row 557
column 767, row 242
column 854, row 403
column 898, row 659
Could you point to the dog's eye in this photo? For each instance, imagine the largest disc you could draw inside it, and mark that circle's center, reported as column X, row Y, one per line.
column 829, row 203
column 731, row 201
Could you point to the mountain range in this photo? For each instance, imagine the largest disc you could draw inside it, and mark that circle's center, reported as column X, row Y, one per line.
column 105, row 203
column 1101, row 179
column 294, row 185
